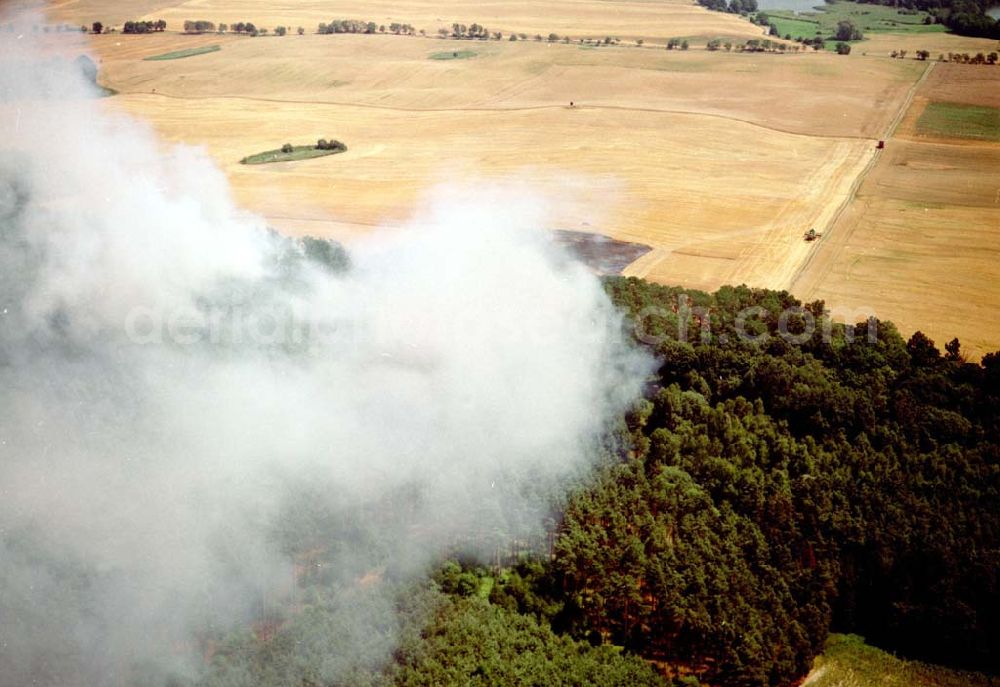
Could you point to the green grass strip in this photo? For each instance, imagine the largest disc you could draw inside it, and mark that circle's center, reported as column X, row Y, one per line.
column 453, row 55
column 960, row 121
column 298, row 153
column 180, row 54
column 849, row 661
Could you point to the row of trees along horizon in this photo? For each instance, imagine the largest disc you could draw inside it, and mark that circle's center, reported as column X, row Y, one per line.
column 759, row 495
column 846, row 30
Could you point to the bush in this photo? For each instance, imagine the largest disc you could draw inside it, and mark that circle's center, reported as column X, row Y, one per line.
column 332, row 144
column 287, row 148
column 843, row 49
column 847, row 30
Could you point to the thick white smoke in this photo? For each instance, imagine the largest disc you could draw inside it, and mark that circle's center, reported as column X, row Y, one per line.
column 172, row 374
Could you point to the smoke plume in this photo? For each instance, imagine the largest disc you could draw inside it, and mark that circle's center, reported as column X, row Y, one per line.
column 178, row 384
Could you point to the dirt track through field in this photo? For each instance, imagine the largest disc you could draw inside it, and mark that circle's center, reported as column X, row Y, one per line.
column 581, row 106
column 830, row 226
column 918, row 245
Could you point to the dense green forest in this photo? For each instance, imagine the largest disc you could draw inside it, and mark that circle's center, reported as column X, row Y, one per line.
column 965, row 17
column 770, row 491
column 762, row 494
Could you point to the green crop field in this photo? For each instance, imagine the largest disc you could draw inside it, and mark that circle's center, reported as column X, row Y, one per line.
column 797, row 26
column 869, row 18
column 849, row 662
column 180, row 54
column 453, row 55
column 960, row 121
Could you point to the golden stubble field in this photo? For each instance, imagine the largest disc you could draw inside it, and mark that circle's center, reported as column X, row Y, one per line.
column 719, row 161
column 596, row 18
column 920, row 244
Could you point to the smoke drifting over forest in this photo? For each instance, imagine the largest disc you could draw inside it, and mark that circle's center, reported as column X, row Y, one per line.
column 175, row 379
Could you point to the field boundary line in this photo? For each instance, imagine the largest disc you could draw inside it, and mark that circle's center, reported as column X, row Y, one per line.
column 501, row 110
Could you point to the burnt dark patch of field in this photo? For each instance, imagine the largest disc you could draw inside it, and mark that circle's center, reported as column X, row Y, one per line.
column 605, row 256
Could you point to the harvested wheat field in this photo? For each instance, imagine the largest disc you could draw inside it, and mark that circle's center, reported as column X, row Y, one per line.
column 691, row 152
column 576, row 18
column 718, row 161
column 919, row 245
column 882, row 44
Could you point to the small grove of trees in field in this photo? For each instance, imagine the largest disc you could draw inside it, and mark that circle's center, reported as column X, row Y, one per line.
column 987, row 59
column 716, row 43
column 817, row 42
column 966, row 58
column 348, row 26
column 332, row 144
column 765, row 45
column 368, row 27
column 245, row 28
column 847, row 30
column 673, row 43
column 607, row 40
column 752, row 45
column 476, row 31
column 144, row 26
column 471, row 31
column 198, row 26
